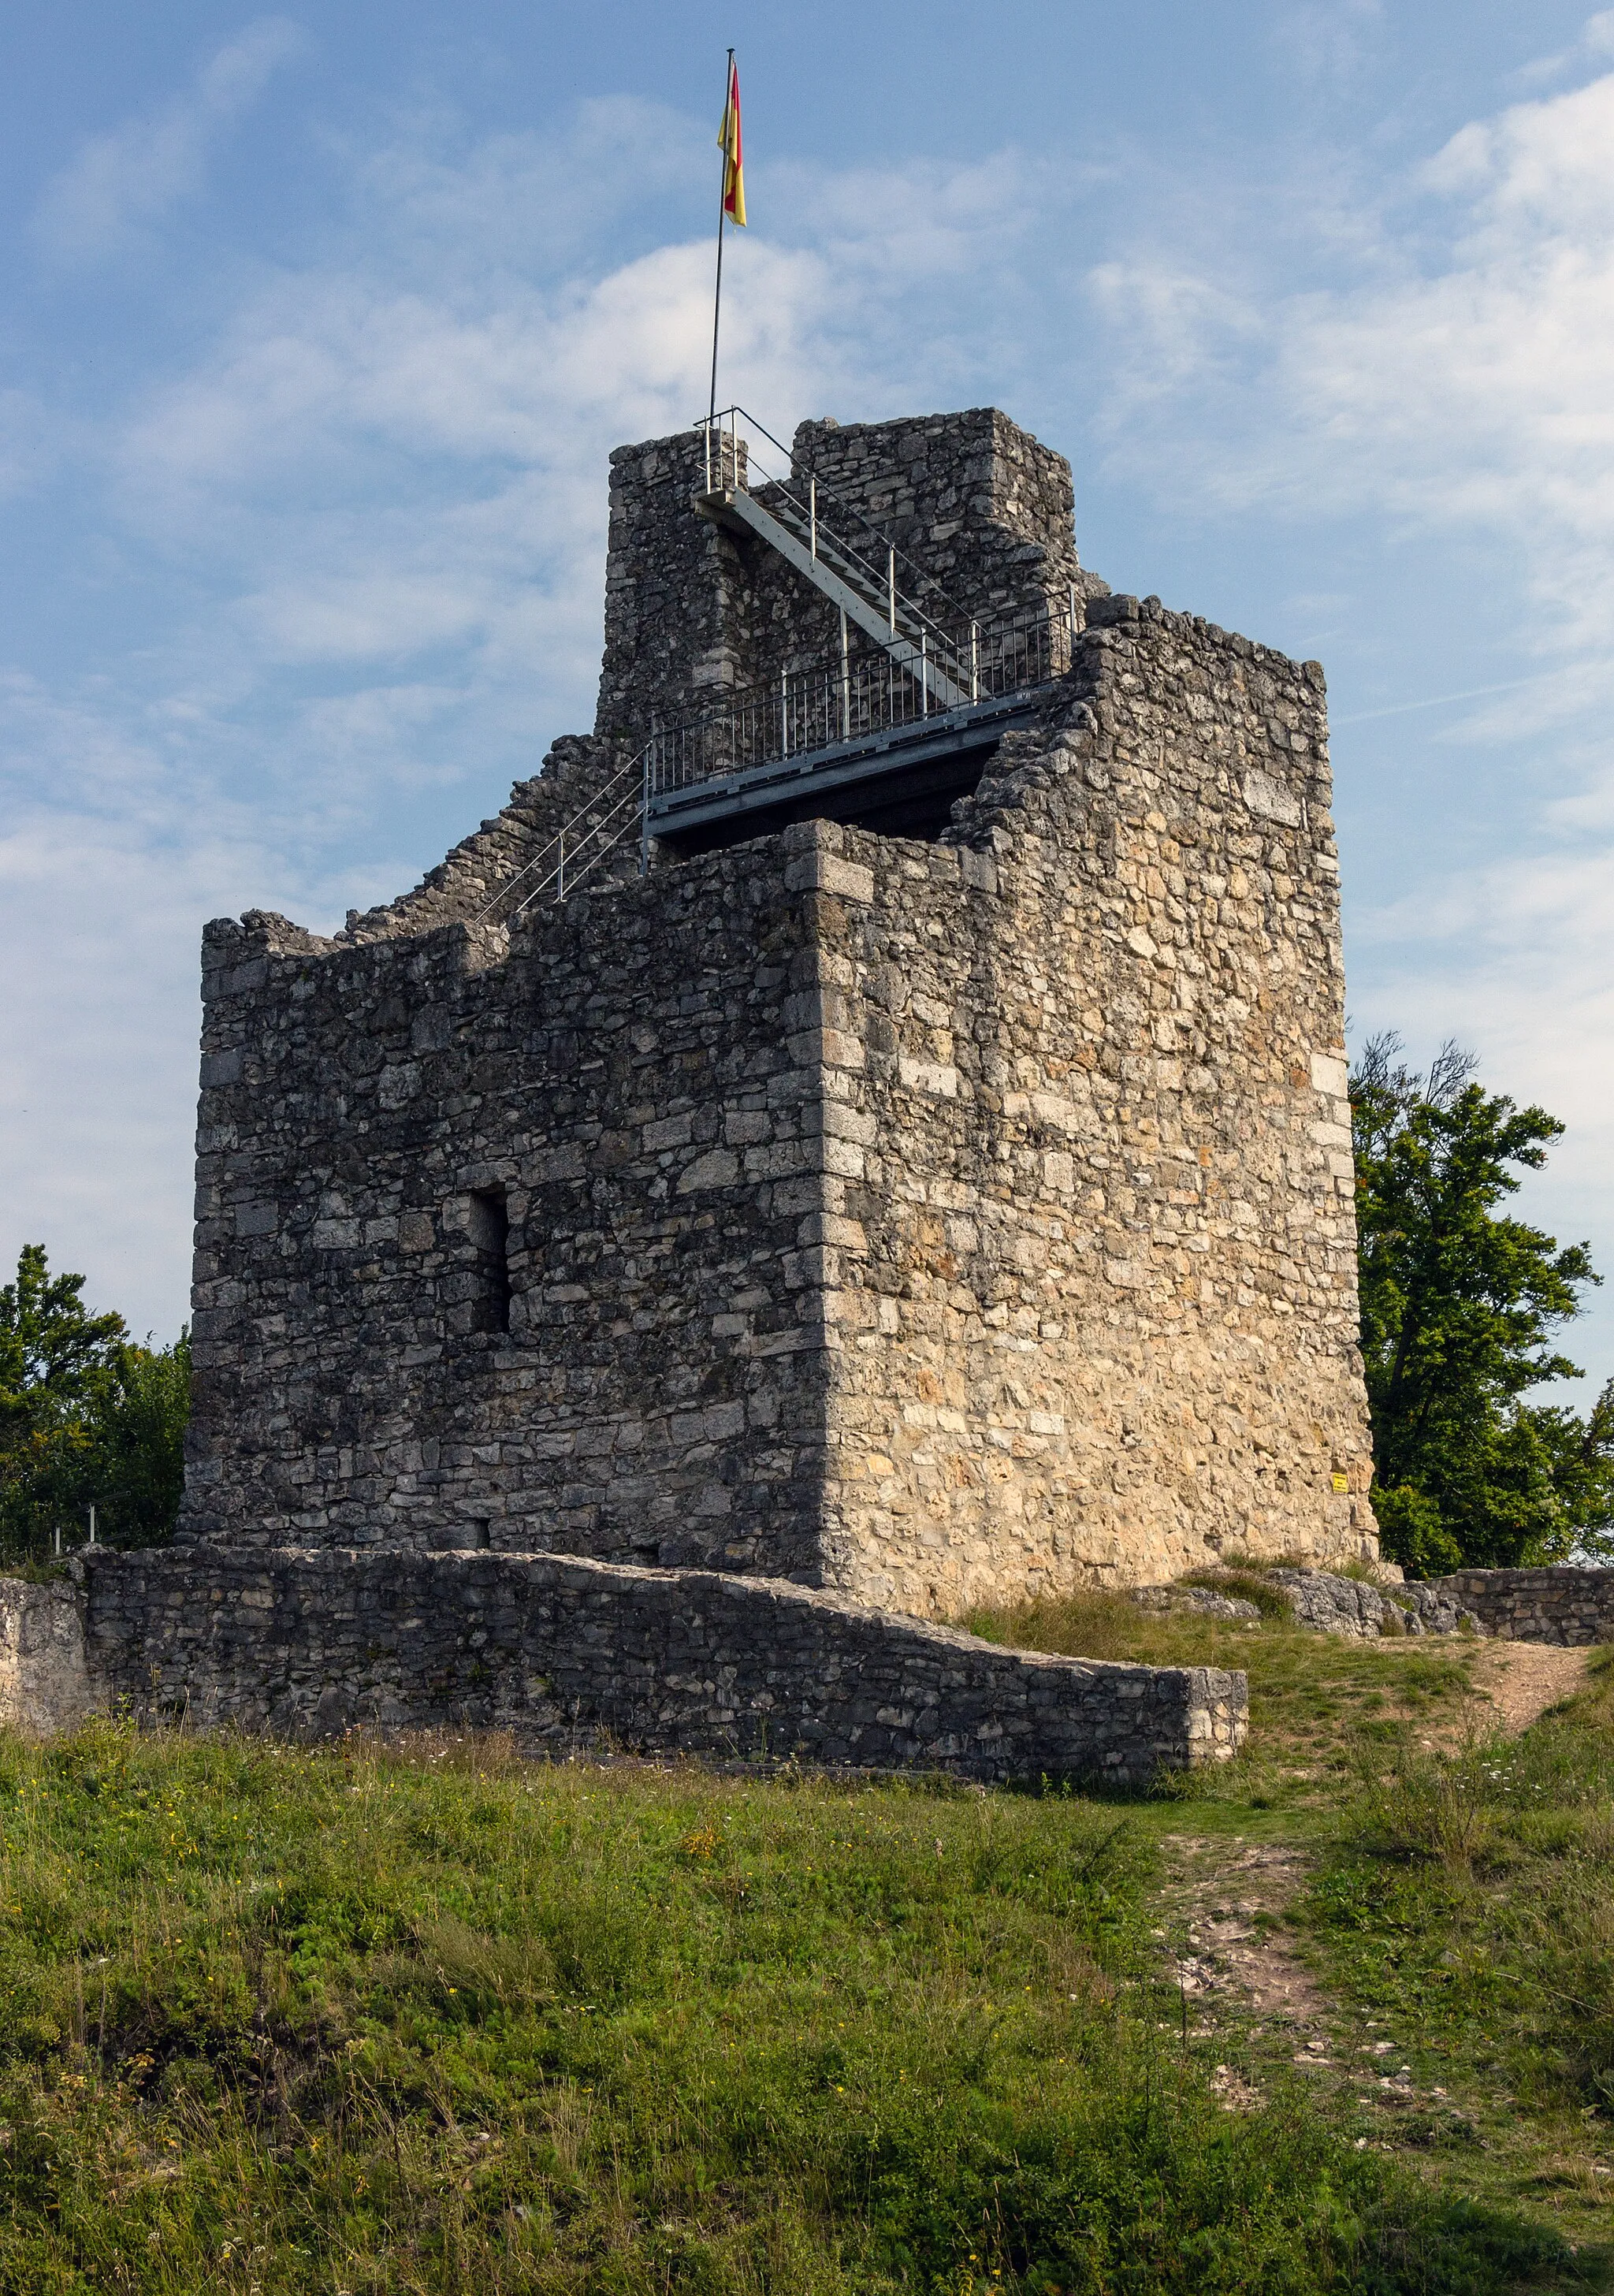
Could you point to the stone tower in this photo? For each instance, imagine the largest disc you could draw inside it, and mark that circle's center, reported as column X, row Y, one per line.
column 937, row 1217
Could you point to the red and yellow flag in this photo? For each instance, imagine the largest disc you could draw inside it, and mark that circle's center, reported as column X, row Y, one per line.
column 728, row 143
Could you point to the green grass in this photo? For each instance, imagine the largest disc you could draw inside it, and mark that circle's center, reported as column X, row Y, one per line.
column 1463, row 1909
column 1312, row 1697
column 435, row 2020
column 1247, row 1586
column 1473, row 1897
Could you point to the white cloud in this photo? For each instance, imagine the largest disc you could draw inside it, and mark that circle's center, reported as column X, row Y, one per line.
column 1596, row 39
column 121, row 183
column 1328, row 41
column 373, row 511
column 1463, row 385
column 1456, row 388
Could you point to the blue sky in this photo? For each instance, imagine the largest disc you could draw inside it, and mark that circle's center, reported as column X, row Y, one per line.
column 317, row 327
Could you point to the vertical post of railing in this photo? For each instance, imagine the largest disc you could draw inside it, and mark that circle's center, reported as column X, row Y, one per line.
column 644, row 810
column 785, row 713
column 709, row 454
column 846, row 682
column 975, row 662
column 891, row 588
column 1071, row 629
column 561, row 874
column 924, row 674
column 813, row 514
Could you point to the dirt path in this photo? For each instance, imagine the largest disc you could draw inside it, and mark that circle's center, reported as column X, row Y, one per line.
column 1226, row 1903
column 1510, row 1685
column 1245, row 1988
column 1229, row 1899
column 1522, row 1680
column 1233, row 1960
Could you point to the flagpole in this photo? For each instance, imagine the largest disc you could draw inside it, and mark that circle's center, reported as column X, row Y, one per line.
column 718, row 297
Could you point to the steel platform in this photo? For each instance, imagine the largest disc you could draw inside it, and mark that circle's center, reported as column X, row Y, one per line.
column 903, row 781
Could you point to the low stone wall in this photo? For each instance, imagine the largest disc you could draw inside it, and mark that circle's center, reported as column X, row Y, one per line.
column 45, row 1685
column 569, row 1654
column 1560, row 1604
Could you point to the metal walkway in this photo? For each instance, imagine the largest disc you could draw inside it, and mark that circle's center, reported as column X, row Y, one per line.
column 888, row 733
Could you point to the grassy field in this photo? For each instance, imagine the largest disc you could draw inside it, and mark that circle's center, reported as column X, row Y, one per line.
column 1313, row 1699
column 1459, row 1916
column 1471, row 1897
column 427, row 2018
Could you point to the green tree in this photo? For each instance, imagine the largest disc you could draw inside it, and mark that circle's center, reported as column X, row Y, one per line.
column 1459, row 1306
column 86, row 1417
column 53, row 1351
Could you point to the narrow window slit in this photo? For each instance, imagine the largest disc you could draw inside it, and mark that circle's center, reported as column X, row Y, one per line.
column 490, row 1237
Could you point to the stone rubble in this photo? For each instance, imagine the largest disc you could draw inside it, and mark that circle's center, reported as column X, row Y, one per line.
column 1200, row 1602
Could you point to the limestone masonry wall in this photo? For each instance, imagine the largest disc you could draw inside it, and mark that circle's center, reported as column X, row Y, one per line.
column 633, row 1080
column 571, row 1655
column 1560, row 1604
column 44, row 1682
column 1091, row 1294
column 938, row 1222
column 983, row 507
column 692, row 607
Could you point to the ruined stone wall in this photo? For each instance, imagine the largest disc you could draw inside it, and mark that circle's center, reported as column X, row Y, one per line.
column 1092, row 1305
column 941, row 1222
column 624, row 1085
column 692, row 607
column 1557, row 1604
column 570, row 1655
column 982, row 505
column 474, row 877
column 675, row 627
column 44, row 1682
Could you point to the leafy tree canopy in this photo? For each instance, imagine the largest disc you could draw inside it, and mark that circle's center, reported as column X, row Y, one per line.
column 53, row 1351
column 86, row 1417
column 1460, row 1306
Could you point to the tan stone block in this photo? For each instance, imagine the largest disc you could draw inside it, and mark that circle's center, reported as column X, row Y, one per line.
column 826, row 872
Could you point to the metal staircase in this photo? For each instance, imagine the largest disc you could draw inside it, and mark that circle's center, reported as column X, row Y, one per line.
column 601, row 826
column 846, row 556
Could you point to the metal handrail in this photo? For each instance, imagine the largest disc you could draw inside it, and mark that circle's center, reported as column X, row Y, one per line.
column 847, row 696
column 840, row 698
column 878, row 574
column 560, row 866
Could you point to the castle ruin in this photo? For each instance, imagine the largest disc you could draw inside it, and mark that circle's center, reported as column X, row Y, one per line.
column 907, row 1156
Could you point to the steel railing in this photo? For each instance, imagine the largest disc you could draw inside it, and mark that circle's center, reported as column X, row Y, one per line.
column 599, row 828
column 844, row 536
column 844, row 697
column 850, row 696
